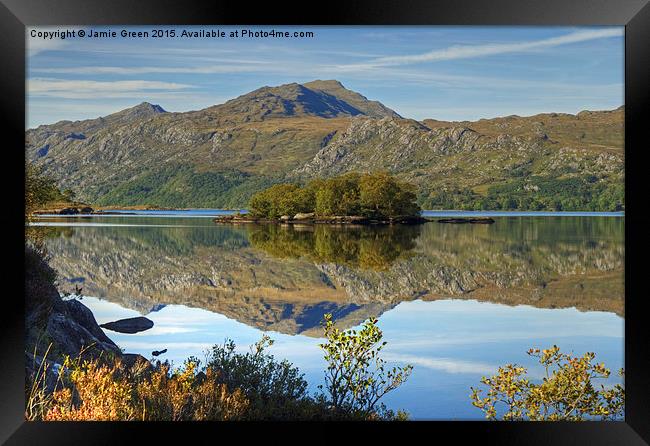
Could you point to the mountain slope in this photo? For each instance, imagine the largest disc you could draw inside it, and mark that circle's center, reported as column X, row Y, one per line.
column 219, row 156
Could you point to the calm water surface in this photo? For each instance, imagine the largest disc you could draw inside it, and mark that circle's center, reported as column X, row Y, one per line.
column 456, row 301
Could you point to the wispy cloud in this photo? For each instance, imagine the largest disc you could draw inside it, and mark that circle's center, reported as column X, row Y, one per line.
column 36, row 46
column 448, row 365
column 241, row 67
column 86, row 89
column 473, row 51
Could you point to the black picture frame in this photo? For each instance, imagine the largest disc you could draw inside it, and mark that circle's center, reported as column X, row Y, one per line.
column 15, row 15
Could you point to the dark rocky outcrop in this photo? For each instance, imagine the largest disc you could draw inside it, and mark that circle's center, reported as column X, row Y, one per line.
column 66, row 327
column 129, row 325
column 69, row 211
column 474, row 220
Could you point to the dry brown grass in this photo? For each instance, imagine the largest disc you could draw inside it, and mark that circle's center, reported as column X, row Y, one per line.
column 101, row 390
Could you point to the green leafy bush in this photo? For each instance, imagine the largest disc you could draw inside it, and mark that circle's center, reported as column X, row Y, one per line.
column 567, row 391
column 356, row 377
column 278, row 200
column 40, row 189
column 274, row 389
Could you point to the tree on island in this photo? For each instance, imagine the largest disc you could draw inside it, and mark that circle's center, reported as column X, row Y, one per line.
column 376, row 195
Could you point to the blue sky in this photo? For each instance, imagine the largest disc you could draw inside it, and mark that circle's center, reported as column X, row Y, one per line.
column 447, row 73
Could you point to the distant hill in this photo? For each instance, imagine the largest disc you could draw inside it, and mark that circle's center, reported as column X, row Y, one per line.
column 221, row 155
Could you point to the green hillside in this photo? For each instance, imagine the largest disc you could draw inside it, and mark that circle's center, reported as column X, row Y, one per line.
column 220, row 156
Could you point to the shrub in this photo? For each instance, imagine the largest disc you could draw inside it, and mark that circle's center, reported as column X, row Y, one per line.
column 566, row 393
column 182, row 395
column 109, row 391
column 231, row 386
column 274, row 389
column 40, row 189
column 356, row 377
column 338, row 196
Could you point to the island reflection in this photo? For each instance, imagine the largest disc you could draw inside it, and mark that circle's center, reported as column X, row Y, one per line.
column 363, row 247
column 283, row 279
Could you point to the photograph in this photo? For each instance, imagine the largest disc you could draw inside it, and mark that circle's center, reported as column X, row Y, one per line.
column 324, row 223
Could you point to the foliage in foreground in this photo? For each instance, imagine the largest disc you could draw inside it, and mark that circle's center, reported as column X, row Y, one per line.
column 274, row 389
column 110, row 391
column 230, row 386
column 567, row 391
column 356, row 377
column 373, row 195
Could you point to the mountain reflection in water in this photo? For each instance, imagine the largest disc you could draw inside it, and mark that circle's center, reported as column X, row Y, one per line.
column 283, row 278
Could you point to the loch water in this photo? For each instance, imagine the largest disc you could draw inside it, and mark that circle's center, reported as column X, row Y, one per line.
column 455, row 301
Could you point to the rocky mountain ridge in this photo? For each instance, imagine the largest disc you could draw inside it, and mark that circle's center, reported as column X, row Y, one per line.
column 221, row 155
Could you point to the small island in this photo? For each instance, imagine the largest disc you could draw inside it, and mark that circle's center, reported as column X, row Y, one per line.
column 354, row 198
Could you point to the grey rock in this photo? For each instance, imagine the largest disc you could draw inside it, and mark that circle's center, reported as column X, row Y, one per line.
column 129, row 325
column 304, row 216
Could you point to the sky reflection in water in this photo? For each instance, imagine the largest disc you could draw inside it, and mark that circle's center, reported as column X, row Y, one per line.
column 439, row 291
column 451, row 343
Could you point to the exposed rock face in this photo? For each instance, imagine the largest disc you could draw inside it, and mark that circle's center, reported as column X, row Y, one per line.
column 219, row 156
column 75, row 328
column 68, row 325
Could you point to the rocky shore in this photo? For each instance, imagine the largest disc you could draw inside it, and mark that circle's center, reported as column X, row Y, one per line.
column 71, row 208
column 57, row 327
column 311, row 218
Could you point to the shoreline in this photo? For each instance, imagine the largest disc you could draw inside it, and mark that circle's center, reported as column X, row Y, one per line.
column 59, row 209
column 310, row 219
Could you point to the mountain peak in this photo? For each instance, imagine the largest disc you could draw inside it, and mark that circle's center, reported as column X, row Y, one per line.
column 148, row 106
column 322, row 98
column 367, row 107
column 142, row 110
column 319, row 84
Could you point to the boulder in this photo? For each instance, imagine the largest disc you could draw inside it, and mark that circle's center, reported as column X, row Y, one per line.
column 285, row 218
column 68, row 325
column 86, row 210
column 129, row 325
column 82, row 315
column 304, row 216
column 71, row 338
column 69, row 211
